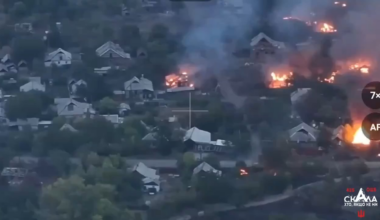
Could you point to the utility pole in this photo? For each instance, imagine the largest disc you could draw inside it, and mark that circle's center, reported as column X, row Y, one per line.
column 189, row 109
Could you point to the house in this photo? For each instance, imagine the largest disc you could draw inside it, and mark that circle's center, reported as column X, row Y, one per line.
column 68, row 127
column 32, row 86
column 303, row 133
column 150, row 178
column 195, row 137
column 58, row 57
column 114, row 54
column 139, row 88
column 205, row 168
column 68, row 107
column 74, row 85
column 263, row 47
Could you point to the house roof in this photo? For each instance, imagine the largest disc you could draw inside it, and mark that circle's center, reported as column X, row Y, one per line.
column 79, row 107
column 146, row 171
column 150, row 137
column 296, row 95
column 338, row 132
column 206, row 168
column 263, row 36
column 51, row 55
column 22, row 122
column 197, row 135
column 32, row 86
column 68, row 127
column 6, row 58
column 136, row 84
column 114, row 48
column 303, row 126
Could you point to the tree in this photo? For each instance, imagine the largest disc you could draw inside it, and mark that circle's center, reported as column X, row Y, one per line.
column 98, row 130
column 97, row 89
column 277, row 155
column 108, row 106
column 6, row 35
column 28, row 48
column 213, row 189
column 72, row 199
column 24, row 105
column 129, row 35
column 159, row 32
column 19, row 10
column 324, row 138
column 274, row 183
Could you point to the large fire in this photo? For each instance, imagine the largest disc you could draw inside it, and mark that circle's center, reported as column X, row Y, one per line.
column 279, row 80
column 360, row 138
column 175, row 80
column 354, row 134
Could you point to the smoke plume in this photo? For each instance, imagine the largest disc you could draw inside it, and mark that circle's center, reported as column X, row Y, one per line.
column 214, row 26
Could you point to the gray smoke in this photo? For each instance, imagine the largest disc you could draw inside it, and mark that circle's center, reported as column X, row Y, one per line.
column 206, row 41
column 363, row 36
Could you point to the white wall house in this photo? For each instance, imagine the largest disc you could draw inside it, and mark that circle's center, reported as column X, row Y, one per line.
column 58, row 57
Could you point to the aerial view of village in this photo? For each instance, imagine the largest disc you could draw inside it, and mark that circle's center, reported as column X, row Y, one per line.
column 189, row 110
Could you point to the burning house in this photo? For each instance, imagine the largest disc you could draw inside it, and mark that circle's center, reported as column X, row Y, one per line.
column 178, row 82
column 264, row 47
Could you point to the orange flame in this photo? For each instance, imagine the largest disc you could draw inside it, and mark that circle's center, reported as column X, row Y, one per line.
column 360, row 138
column 325, row 28
column 280, row 80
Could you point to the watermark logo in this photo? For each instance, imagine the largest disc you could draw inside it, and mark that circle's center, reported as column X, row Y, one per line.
column 361, row 214
column 361, row 199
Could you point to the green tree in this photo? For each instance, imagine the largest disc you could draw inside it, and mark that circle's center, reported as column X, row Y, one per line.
column 159, row 32
column 108, row 106
column 98, row 130
column 72, row 199
column 28, row 48
column 129, row 35
column 276, row 156
column 213, row 189
column 19, row 10
column 6, row 35
column 24, row 105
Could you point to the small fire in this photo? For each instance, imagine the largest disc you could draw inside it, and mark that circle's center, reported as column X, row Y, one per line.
column 325, row 27
column 331, row 79
column 243, row 172
column 360, row 138
column 361, row 67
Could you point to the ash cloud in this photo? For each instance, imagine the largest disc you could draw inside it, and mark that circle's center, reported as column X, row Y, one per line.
column 210, row 40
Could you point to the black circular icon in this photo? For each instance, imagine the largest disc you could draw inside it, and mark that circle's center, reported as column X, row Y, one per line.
column 371, row 126
column 371, row 95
